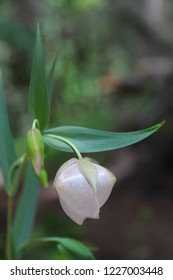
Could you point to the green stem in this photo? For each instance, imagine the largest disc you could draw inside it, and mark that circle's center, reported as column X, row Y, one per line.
column 35, row 124
column 13, row 188
column 21, row 163
column 9, row 254
column 66, row 142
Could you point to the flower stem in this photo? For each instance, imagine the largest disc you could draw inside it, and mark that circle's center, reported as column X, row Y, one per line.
column 35, row 124
column 22, row 163
column 8, row 234
column 64, row 140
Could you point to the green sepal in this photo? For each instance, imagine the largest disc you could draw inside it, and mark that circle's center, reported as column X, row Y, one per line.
column 89, row 171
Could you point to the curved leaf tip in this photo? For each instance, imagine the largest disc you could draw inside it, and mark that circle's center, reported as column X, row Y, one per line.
column 156, row 126
column 91, row 140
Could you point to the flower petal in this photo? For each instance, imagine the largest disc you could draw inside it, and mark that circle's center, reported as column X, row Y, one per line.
column 65, row 166
column 77, row 197
column 75, row 216
column 105, row 183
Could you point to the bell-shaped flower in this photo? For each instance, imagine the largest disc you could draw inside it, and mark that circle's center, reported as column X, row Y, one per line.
column 83, row 187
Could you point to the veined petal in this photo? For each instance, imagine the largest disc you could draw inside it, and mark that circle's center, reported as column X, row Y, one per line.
column 64, row 167
column 75, row 216
column 105, row 183
column 77, row 197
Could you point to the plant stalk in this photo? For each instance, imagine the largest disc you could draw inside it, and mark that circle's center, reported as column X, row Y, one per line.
column 64, row 140
column 13, row 189
column 9, row 255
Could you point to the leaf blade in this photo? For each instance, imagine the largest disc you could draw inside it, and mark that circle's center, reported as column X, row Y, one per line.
column 73, row 246
column 38, row 94
column 25, row 213
column 76, row 248
column 92, row 140
column 7, row 151
column 50, row 79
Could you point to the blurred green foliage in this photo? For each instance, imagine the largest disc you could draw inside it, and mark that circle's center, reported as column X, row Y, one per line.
column 98, row 48
column 90, row 40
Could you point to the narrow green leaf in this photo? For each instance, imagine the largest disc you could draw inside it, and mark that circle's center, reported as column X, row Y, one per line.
column 16, row 173
column 91, row 140
column 74, row 247
column 64, row 254
column 38, row 95
column 50, row 79
column 7, row 152
column 25, row 213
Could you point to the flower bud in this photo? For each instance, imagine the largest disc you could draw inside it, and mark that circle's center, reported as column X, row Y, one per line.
column 35, row 149
column 43, row 178
column 83, row 187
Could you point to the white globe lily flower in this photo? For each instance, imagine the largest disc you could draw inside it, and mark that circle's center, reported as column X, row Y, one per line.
column 83, row 187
